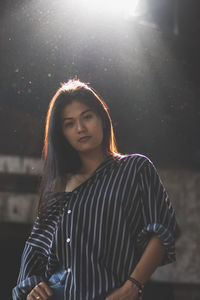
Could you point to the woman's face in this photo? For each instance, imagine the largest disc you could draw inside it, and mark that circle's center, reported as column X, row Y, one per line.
column 82, row 127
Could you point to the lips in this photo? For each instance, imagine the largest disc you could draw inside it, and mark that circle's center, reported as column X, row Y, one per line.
column 84, row 138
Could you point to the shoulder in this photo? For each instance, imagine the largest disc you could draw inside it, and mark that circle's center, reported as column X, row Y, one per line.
column 136, row 160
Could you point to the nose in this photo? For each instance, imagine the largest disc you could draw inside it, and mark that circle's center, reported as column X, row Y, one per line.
column 80, row 127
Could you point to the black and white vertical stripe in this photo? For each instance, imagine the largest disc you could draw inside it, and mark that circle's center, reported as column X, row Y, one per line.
column 102, row 230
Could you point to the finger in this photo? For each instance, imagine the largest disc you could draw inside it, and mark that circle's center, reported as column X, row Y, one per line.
column 30, row 297
column 33, row 295
column 45, row 289
column 40, row 294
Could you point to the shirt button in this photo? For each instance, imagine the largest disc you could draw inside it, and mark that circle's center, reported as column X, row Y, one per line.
column 68, row 240
column 68, row 270
column 69, row 211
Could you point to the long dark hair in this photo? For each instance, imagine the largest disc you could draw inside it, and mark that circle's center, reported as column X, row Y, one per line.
column 58, row 155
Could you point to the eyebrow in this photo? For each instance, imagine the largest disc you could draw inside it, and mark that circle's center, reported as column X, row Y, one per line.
column 83, row 112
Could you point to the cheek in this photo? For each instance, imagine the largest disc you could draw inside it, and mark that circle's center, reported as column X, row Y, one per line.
column 67, row 135
column 99, row 130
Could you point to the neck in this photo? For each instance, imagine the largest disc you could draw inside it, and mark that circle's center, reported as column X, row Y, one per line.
column 90, row 161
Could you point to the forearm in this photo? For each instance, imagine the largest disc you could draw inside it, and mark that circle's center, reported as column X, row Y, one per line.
column 149, row 261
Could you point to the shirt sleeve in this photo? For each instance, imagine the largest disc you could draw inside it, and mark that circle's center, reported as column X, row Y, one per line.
column 158, row 215
column 33, row 261
column 31, row 272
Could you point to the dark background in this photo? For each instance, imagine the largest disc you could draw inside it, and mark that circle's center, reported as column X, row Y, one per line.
column 148, row 76
column 146, row 68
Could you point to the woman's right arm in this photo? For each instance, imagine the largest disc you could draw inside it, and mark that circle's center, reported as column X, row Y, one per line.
column 33, row 268
column 31, row 272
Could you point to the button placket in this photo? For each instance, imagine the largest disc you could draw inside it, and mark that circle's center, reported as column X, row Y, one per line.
column 68, row 212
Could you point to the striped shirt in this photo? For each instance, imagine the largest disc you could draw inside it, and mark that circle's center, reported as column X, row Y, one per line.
column 98, row 232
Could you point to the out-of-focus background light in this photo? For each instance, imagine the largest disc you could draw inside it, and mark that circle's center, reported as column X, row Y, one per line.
column 119, row 8
column 144, row 64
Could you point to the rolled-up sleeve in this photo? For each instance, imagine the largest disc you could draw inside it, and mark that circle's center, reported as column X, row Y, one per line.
column 32, row 262
column 158, row 215
column 34, row 259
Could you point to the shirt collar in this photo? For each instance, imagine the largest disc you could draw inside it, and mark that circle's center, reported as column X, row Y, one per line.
column 109, row 162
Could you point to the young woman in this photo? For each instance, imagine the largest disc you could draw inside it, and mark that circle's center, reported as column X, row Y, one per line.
column 104, row 219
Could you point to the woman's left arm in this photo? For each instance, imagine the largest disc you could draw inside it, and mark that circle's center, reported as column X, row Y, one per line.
column 147, row 264
column 156, row 234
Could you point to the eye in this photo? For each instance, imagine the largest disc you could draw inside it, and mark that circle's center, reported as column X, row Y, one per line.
column 69, row 124
column 88, row 116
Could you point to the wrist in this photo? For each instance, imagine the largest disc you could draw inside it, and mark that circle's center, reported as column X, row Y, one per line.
column 136, row 285
column 130, row 286
column 139, row 284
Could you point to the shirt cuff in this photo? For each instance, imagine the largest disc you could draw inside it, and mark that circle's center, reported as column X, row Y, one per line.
column 24, row 287
column 164, row 235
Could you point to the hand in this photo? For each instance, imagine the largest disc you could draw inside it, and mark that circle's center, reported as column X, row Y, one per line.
column 40, row 292
column 127, row 292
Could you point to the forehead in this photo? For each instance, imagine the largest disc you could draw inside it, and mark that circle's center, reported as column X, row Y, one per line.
column 75, row 108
